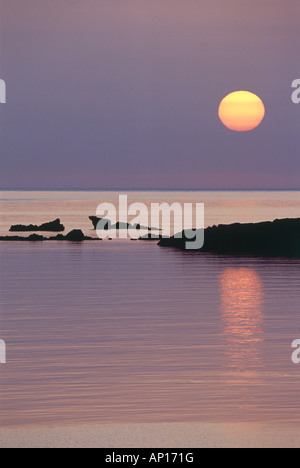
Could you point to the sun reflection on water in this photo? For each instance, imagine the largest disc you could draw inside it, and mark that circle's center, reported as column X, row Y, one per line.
column 242, row 311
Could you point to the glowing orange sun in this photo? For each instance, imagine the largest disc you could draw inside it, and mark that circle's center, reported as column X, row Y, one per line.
column 242, row 111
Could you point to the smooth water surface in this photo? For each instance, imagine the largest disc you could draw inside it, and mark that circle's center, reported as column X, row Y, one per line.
column 123, row 331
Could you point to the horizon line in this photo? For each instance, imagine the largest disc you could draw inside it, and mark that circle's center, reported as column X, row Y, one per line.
column 205, row 189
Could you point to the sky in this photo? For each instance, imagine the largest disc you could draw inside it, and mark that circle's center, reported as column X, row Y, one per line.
column 125, row 93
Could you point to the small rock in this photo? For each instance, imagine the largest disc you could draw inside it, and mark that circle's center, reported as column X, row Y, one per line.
column 75, row 236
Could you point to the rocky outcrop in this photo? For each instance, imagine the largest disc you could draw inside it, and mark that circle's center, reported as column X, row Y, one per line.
column 95, row 221
column 31, row 238
column 74, row 236
column 151, row 237
column 119, row 225
column 277, row 238
column 52, row 226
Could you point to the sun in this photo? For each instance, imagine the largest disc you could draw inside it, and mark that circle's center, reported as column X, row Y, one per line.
column 242, row 111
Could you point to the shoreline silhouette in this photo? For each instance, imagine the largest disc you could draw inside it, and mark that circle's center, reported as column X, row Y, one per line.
column 271, row 238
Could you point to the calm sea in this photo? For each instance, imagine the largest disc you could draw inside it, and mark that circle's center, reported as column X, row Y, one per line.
column 122, row 331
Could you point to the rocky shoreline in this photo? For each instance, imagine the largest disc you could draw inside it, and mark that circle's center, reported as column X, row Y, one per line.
column 277, row 238
column 52, row 226
column 271, row 238
column 74, row 236
column 107, row 225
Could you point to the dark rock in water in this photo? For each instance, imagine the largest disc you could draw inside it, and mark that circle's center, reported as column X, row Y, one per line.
column 95, row 221
column 107, row 224
column 59, row 237
column 53, row 226
column 36, row 237
column 32, row 238
column 151, row 237
column 277, row 238
column 137, row 227
column 10, row 238
column 119, row 225
column 75, row 236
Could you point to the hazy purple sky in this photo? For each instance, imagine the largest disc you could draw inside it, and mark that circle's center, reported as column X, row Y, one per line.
column 125, row 93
